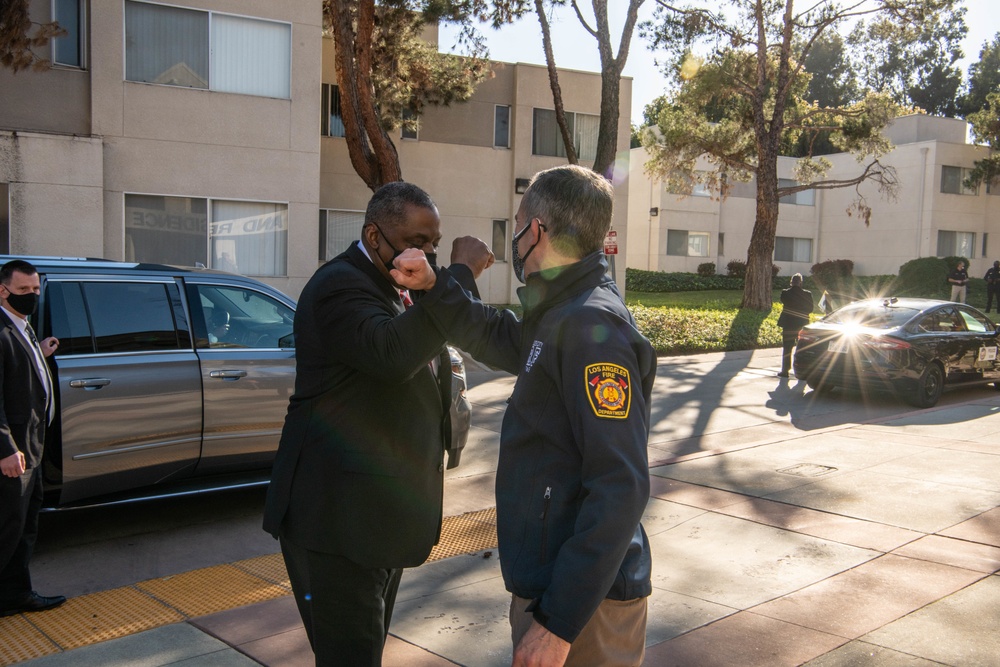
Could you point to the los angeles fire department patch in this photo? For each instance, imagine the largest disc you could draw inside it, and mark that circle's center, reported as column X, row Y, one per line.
column 609, row 390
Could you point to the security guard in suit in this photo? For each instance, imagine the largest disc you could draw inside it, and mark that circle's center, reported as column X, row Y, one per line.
column 26, row 407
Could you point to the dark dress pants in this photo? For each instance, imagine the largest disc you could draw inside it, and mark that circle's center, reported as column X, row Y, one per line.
column 20, row 502
column 788, row 339
column 992, row 292
column 345, row 607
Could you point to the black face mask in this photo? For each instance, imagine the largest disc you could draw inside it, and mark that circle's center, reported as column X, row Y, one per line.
column 389, row 266
column 515, row 257
column 26, row 304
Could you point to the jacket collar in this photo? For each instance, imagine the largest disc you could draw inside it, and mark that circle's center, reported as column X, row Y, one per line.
column 361, row 261
column 544, row 288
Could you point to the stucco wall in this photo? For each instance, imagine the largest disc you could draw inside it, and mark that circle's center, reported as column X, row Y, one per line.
column 56, row 186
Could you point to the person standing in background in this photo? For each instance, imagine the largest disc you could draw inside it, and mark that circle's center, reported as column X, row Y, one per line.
column 796, row 306
column 992, row 279
column 958, row 278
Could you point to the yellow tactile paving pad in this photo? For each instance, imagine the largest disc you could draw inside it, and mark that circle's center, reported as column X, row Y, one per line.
column 270, row 567
column 20, row 640
column 98, row 617
column 211, row 589
column 467, row 533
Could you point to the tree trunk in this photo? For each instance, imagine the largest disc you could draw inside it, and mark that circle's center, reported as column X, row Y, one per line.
column 372, row 153
column 550, row 61
column 758, row 285
column 607, row 133
column 611, row 76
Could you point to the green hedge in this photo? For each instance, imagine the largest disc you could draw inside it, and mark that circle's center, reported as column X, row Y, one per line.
column 637, row 280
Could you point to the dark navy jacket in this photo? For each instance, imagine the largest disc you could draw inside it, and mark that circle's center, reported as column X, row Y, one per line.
column 573, row 476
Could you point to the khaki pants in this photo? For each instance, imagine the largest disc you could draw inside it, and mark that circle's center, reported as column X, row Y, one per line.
column 615, row 636
column 958, row 293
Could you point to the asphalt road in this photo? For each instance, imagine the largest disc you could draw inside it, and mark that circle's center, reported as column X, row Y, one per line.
column 701, row 403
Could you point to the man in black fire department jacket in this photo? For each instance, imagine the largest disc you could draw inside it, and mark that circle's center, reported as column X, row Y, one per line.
column 573, row 478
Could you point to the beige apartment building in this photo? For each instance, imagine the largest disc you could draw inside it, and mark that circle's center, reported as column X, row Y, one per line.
column 933, row 214
column 208, row 133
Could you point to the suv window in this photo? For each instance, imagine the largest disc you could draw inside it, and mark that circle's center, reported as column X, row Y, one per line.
column 105, row 317
column 237, row 317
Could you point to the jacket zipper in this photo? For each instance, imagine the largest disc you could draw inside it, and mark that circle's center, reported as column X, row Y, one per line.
column 546, row 498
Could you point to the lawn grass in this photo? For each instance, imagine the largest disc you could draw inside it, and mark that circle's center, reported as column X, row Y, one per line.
column 705, row 321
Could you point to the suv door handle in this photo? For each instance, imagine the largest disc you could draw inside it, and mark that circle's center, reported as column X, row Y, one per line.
column 90, row 383
column 227, row 375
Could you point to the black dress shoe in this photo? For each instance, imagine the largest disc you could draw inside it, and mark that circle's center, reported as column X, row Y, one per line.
column 783, row 374
column 34, row 602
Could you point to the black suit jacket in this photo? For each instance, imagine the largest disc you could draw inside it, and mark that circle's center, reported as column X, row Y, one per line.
column 360, row 466
column 797, row 304
column 22, row 402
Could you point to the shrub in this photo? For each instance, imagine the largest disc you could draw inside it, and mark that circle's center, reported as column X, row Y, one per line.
column 736, row 269
column 832, row 271
column 775, row 269
column 707, row 269
column 926, row 276
column 952, row 262
column 658, row 281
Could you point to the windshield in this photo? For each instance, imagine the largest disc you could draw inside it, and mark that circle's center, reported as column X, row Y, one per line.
column 872, row 316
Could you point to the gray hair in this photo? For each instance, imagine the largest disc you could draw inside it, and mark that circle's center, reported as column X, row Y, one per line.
column 387, row 207
column 796, row 279
column 575, row 205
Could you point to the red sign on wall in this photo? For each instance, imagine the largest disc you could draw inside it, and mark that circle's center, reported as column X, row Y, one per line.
column 611, row 243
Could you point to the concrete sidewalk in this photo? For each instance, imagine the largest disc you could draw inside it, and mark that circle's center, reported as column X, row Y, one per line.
column 873, row 543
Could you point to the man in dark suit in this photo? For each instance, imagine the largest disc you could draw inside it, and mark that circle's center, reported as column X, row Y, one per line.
column 25, row 410
column 356, row 491
column 796, row 306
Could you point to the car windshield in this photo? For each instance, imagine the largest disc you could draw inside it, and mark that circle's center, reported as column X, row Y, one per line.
column 872, row 316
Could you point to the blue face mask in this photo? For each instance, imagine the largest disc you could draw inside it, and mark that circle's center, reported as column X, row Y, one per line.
column 515, row 257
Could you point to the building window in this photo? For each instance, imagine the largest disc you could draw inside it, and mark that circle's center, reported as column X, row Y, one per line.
column 547, row 140
column 993, row 187
column 332, row 121
column 801, row 198
column 409, row 129
column 243, row 237
column 788, row 249
column 4, row 218
column 337, row 230
column 249, row 237
column 956, row 244
column 500, row 240
column 68, row 49
column 722, row 243
column 198, row 49
column 952, row 181
column 501, row 126
column 687, row 244
column 985, row 237
column 688, row 186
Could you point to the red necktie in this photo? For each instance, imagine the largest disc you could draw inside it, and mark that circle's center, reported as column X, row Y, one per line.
column 405, row 296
